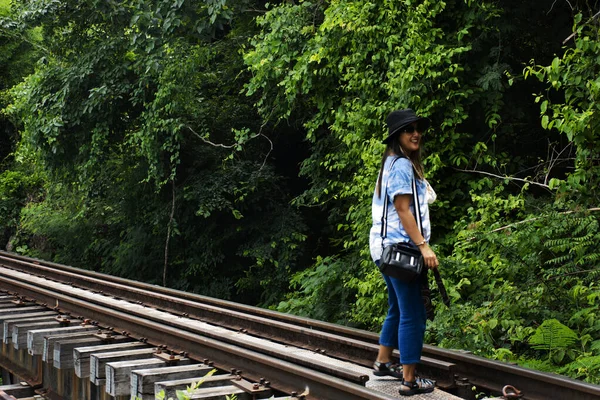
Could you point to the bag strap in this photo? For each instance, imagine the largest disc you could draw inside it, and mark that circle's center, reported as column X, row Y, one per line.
column 385, row 206
column 417, row 205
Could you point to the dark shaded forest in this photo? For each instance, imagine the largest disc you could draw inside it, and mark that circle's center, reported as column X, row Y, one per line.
column 230, row 148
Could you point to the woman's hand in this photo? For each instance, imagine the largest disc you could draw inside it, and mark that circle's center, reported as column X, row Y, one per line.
column 429, row 256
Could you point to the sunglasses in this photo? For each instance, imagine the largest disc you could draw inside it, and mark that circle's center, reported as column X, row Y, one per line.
column 411, row 129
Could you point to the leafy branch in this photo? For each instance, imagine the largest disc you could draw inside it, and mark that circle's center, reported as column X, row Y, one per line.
column 506, row 177
column 7, row 28
column 242, row 138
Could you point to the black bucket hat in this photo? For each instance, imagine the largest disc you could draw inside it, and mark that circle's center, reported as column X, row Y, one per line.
column 402, row 118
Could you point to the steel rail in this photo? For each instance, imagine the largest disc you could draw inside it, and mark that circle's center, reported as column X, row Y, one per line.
column 98, row 282
column 245, row 318
column 184, row 324
column 535, row 385
column 487, row 374
column 283, row 375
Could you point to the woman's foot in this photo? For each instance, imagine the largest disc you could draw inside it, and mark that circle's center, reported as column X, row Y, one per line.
column 387, row 369
column 419, row 385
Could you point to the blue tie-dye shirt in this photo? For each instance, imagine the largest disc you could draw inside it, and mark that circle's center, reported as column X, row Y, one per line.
column 399, row 181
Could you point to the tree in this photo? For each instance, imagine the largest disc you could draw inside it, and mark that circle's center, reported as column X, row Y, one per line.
column 19, row 50
column 159, row 170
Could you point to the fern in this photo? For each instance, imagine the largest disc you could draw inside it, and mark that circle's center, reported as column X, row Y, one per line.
column 591, row 258
column 559, row 245
column 553, row 335
column 560, row 260
column 573, row 247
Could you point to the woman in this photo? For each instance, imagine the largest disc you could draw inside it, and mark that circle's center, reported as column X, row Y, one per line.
column 404, row 326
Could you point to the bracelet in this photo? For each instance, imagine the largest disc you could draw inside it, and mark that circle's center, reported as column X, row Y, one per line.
column 421, row 243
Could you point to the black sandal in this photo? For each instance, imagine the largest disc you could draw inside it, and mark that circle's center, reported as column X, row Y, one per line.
column 387, row 369
column 419, row 385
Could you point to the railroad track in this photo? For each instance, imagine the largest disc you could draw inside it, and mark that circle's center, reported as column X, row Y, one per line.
column 330, row 362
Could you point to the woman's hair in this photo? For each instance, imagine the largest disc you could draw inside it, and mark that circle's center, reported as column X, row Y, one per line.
column 394, row 147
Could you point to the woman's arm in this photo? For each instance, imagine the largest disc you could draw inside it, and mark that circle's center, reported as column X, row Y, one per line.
column 402, row 205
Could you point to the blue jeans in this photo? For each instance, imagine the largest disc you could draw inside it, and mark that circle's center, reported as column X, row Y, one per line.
column 404, row 326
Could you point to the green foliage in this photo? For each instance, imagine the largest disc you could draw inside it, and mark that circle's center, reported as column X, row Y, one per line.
column 585, row 368
column 154, row 159
column 18, row 187
column 552, row 336
column 574, row 249
column 576, row 113
column 504, row 281
column 323, row 283
column 187, row 393
column 19, row 50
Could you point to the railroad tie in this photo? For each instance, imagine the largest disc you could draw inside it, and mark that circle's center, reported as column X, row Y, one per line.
column 118, row 373
column 8, row 321
column 63, row 349
column 23, row 310
column 219, row 393
column 170, row 388
column 82, row 355
column 50, row 342
column 21, row 328
column 17, row 391
column 98, row 362
column 143, row 380
column 35, row 337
